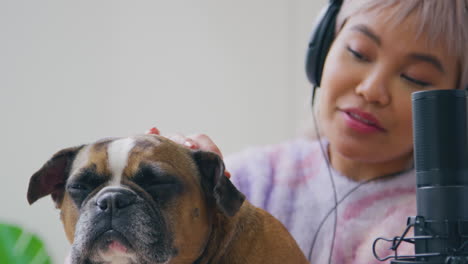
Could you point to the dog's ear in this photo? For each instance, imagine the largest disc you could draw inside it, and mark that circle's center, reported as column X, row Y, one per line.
column 51, row 178
column 215, row 183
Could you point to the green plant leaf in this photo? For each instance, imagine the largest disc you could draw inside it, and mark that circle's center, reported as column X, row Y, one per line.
column 20, row 247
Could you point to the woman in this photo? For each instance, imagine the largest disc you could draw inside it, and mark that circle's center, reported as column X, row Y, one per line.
column 356, row 183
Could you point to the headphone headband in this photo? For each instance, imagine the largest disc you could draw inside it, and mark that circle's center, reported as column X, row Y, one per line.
column 321, row 41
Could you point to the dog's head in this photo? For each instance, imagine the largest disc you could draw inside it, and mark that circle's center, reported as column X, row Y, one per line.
column 141, row 199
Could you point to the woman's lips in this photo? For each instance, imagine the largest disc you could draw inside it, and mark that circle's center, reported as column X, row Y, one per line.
column 361, row 121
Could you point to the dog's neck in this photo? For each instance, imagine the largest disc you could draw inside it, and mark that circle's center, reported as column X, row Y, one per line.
column 226, row 232
column 222, row 233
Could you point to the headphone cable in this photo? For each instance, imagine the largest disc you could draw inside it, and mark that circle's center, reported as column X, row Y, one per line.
column 332, row 181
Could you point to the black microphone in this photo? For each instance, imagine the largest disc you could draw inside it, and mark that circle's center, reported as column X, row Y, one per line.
column 441, row 163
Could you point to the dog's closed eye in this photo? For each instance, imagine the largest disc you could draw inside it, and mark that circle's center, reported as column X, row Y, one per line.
column 77, row 187
column 82, row 184
column 161, row 185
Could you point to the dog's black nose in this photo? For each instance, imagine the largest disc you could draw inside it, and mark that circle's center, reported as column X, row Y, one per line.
column 115, row 199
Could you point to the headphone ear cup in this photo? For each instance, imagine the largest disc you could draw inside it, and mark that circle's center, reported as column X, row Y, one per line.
column 320, row 43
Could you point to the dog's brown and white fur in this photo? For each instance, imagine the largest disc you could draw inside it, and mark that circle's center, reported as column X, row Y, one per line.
column 145, row 199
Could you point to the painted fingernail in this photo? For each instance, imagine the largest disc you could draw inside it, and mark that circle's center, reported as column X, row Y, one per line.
column 189, row 144
column 227, row 174
column 153, row 130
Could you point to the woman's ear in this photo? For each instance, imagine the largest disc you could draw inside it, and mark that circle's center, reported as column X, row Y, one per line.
column 216, row 184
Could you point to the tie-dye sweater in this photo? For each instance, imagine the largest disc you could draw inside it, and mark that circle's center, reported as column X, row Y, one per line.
column 292, row 182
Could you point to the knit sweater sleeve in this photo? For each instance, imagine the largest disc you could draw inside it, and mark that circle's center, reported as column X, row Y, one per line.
column 252, row 172
column 265, row 174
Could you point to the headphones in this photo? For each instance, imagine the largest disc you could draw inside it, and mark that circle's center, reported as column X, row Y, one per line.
column 320, row 42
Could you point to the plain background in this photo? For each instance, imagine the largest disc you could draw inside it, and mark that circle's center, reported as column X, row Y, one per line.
column 72, row 72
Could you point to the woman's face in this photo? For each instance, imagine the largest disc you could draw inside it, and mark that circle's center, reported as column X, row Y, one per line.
column 369, row 75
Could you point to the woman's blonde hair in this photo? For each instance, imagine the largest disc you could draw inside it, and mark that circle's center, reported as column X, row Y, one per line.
column 442, row 20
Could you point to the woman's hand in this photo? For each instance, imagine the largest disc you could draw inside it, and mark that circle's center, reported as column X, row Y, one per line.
column 198, row 141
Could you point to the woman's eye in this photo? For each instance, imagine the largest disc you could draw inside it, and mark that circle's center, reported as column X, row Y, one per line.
column 415, row 81
column 357, row 54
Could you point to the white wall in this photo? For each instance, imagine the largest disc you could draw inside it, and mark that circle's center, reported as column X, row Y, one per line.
column 72, row 72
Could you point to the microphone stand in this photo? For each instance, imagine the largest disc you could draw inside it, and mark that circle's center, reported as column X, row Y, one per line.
column 441, row 163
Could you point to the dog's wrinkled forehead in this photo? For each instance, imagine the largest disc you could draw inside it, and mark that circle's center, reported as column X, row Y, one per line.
column 117, row 158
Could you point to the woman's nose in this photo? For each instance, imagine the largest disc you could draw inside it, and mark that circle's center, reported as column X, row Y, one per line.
column 375, row 87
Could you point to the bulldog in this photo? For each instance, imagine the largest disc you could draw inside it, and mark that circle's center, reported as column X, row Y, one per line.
column 147, row 200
